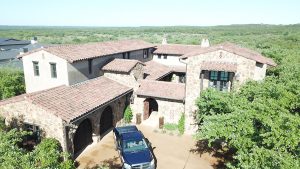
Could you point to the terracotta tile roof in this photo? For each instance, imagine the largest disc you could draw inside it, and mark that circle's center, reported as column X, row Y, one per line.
column 156, row 70
column 13, row 99
column 219, row 66
column 232, row 48
column 121, row 65
column 71, row 102
column 181, row 69
column 73, row 53
column 175, row 49
column 161, row 89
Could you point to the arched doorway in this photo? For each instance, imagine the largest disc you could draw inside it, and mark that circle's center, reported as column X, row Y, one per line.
column 150, row 105
column 106, row 120
column 83, row 136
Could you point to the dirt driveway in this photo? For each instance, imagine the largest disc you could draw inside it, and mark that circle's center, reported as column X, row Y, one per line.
column 170, row 151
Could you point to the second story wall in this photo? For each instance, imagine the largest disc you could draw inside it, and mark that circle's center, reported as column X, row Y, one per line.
column 169, row 60
column 38, row 71
column 80, row 71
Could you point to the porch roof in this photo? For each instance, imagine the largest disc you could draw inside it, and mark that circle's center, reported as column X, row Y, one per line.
column 219, row 66
column 72, row 102
column 161, row 89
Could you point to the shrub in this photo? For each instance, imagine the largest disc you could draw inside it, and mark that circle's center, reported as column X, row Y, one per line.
column 11, row 83
column 181, row 123
column 170, row 126
column 48, row 154
column 128, row 115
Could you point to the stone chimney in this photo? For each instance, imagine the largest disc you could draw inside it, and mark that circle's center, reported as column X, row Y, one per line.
column 34, row 40
column 164, row 41
column 205, row 43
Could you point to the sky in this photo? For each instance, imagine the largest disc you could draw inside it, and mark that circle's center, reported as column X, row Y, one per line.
column 148, row 12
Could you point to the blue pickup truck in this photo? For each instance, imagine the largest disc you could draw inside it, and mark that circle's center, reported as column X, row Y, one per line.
column 134, row 150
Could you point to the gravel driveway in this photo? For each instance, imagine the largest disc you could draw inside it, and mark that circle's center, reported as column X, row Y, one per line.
column 170, row 151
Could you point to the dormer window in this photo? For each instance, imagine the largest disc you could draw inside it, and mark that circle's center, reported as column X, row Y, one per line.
column 36, row 68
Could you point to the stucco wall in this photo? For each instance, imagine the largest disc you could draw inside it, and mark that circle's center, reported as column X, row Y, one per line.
column 51, row 125
column 170, row 110
column 171, row 60
column 67, row 73
column 44, row 80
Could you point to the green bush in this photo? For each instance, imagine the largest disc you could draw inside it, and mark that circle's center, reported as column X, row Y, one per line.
column 181, row 124
column 47, row 154
column 128, row 115
column 170, row 126
column 11, row 83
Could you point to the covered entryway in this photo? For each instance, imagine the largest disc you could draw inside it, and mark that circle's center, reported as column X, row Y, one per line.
column 150, row 105
column 106, row 120
column 83, row 136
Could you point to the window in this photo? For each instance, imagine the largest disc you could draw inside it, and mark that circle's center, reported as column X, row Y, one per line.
column 213, row 75
column 165, row 56
column 126, row 55
column 90, row 62
column 260, row 65
column 159, row 56
column 145, row 53
column 224, row 76
column 53, row 70
column 219, row 80
column 36, row 69
column 36, row 132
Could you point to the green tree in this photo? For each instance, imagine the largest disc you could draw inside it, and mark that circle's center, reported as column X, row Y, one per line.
column 128, row 115
column 11, row 83
column 47, row 154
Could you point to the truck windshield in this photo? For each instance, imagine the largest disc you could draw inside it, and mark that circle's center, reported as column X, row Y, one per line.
column 134, row 145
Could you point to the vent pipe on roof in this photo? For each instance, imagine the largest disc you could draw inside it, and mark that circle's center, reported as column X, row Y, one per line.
column 34, row 40
column 205, row 43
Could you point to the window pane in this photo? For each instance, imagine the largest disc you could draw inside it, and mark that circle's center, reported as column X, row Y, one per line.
column 145, row 54
column 213, row 75
column 53, row 70
column 90, row 62
column 224, row 76
column 36, row 68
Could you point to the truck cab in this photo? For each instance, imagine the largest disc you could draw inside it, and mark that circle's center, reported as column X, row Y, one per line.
column 134, row 150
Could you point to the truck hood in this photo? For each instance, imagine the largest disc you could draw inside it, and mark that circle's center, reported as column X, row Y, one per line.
column 137, row 157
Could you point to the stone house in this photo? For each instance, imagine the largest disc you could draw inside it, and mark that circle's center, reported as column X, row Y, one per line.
column 77, row 93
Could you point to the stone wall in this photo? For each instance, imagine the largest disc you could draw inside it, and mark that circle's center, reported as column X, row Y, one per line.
column 51, row 125
column 170, row 110
column 246, row 69
column 128, row 79
column 118, row 107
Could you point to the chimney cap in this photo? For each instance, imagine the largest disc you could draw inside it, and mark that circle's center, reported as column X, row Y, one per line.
column 205, row 43
column 164, row 41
